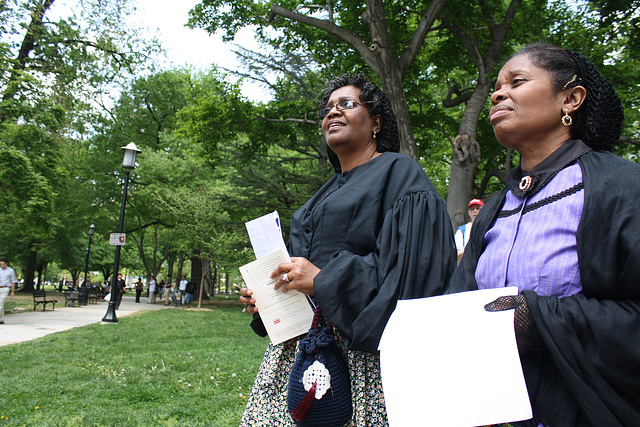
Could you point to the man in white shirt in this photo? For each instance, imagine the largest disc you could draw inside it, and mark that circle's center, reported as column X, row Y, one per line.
column 183, row 288
column 7, row 283
column 464, row 231
column 152, row 290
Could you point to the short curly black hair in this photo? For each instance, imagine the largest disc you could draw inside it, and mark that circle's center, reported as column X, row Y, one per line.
column 376, row 102
column 598, row 121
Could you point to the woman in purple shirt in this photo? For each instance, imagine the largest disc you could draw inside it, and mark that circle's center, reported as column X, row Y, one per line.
column 565, row 232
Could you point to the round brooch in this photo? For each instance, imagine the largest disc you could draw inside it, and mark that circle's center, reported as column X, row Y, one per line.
column 525, row 183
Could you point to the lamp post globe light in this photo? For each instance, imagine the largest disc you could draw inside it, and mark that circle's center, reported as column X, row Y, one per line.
column 92, row 231
column 128, row 163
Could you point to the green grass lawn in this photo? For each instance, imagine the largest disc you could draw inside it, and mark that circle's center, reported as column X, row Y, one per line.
column 164, row 367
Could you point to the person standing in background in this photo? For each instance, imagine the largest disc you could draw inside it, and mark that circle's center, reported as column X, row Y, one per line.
column 152, row 290
column 139, row 289
column 189, row 291
column 183, row 288
column 7, row 284
column 175, row 296
column 464, row 231
column 120, row 288
column 167, row 291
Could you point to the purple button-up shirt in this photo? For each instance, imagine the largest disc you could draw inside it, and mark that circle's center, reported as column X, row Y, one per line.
column 532, row 244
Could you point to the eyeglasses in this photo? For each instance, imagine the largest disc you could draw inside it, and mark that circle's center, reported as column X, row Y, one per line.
column 347, row 104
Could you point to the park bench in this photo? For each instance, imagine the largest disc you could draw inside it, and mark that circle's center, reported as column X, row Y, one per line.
column 92, row 296
column 71, row 298
column 40, row 297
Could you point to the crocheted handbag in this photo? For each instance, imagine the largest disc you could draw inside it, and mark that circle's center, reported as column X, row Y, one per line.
column 319, row 384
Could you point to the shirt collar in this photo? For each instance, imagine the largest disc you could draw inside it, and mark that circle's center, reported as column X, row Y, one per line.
column 527, row 183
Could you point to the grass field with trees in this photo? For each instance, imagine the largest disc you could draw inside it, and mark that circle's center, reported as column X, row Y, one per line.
column 163, row 367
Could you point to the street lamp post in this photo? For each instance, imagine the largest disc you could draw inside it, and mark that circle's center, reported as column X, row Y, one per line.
column 128, row 163
column 92, row 230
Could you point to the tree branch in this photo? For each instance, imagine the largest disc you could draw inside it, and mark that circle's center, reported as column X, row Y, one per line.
column 346, row 36
column 629, row 140
column 417, row 39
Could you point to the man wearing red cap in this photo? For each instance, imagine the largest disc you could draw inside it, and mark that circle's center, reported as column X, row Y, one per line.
column 464, row 231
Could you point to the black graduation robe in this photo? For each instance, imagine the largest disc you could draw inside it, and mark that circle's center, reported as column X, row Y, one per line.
column 588, row 371
column 379, row 233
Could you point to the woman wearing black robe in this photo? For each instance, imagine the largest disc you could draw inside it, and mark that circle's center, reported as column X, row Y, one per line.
column 565, row 232
column 375, row 233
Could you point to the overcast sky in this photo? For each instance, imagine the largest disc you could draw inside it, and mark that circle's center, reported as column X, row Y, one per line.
column 183, row 45
column 166, row 19
column 192, row 46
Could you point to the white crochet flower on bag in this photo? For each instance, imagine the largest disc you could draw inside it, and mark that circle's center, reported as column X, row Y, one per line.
column 319, row 374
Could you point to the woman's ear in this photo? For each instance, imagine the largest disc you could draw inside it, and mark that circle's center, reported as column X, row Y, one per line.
column 574, row 98
column 377, row 123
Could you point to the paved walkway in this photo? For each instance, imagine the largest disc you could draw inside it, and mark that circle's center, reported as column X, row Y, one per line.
column 35, row 324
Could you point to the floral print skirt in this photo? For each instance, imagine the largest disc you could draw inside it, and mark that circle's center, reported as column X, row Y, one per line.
column 267, row 405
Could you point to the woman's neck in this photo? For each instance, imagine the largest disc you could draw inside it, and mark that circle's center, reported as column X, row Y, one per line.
column 350, row 161
column 531, row 158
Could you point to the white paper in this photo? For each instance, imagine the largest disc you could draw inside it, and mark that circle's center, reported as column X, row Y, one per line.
column 284, row 315
column 265, row 234
column 447, row 362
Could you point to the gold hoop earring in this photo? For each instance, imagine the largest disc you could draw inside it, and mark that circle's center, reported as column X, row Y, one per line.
column 566, row 119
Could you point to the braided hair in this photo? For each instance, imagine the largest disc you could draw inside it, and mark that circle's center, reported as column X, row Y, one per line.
column 598, row 121
column 376, row 102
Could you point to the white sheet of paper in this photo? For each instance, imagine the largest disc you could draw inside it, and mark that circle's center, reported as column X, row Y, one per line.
column 285, row 315
column 446, row 361
column 265, row 234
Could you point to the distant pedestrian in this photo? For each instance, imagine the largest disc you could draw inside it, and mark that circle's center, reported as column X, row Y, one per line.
column 152, row 290
column 183, row 288
column 139, row 289
column 167, row 291
column 175, row 296
column 106, row 287
column 464, row 231
column 189, row 291
column 7, row 283
column 119, row 289
column 160, row 290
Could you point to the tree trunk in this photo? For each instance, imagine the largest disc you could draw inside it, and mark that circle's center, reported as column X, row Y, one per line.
column 196, row 268
column 204, row 281
column 170, row 262
column 180, row 264
column 27, row 45
column 388, row 65
column 202, row 278
column 75, row 275
column 29, row 274
column 466, row 151
column 215, row 279
column 466, row 157
column 392, row 86
column 106, row 271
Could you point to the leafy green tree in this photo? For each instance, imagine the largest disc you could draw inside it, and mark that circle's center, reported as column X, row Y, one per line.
column 51, row 69
column 475, row 35
column 146, row 114
column 386, row 39
column 454, row 64
column 391, row 39
column 271, row 159
column 618, row 25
